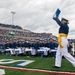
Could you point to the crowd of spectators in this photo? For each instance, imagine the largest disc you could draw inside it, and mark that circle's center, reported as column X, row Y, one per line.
column 9, row 41
column 10, row 26
column 7, row 38
column 36, row 44
column 24, row 34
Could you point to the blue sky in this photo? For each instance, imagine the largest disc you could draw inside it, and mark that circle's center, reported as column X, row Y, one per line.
column 36, row 15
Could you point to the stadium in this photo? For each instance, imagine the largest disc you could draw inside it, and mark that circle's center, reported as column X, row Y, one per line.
column 28, row 45
column 22, row 45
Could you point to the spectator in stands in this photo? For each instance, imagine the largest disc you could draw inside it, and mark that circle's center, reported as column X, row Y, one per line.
column 41, row 43
column 7, row 45
column 14, row 44
column 26, row 44
column 55, row 44
column 50, row 44
column 36, row 45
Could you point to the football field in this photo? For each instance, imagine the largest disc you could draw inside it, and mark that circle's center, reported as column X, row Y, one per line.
column 45, row 63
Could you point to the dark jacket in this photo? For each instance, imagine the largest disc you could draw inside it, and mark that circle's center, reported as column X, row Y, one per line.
column 63, row 27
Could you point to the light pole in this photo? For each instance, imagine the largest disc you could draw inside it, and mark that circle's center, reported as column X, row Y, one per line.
column 13, row 13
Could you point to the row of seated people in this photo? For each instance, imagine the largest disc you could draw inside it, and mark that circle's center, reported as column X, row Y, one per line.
column 36, row 45
column 52, row 44
column 32, row 47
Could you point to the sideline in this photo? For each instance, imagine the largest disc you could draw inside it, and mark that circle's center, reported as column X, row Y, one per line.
column 38, row 70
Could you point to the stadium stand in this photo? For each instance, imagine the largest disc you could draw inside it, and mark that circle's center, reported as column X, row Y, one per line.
column 10, row 26
column 15, row 40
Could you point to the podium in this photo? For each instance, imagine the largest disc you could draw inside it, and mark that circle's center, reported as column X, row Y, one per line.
column 2, row 72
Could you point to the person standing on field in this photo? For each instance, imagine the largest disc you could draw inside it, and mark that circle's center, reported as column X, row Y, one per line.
column 63, row 43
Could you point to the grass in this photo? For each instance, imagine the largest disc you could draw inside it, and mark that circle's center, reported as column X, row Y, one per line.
column 14, row 72
column 45, row 63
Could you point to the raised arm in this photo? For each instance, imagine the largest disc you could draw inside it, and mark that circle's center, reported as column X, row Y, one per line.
column 58, row 21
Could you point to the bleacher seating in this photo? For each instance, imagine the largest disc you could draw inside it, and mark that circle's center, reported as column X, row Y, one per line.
column 21, row 36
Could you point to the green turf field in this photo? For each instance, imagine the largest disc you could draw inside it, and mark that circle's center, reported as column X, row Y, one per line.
column 45, row 63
